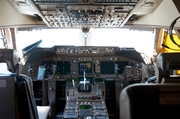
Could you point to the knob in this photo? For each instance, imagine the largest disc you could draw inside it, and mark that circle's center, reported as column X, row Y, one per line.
column 50, row 88
column 88, row 117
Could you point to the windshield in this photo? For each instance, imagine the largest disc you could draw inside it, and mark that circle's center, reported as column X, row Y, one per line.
column 142, row 41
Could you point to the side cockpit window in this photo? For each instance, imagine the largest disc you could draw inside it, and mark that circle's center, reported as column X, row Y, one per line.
column 3, row 42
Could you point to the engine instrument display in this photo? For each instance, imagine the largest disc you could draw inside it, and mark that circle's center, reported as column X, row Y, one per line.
column 107, row 67
column 85, row 67
column 63, row 67
column 49, row 67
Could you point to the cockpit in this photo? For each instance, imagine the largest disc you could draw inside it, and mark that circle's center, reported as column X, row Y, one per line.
column 89, row 59
column 83, row 81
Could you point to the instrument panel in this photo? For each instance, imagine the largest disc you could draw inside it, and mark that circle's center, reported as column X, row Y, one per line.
column 93, row 67
column 83, row 78
column 104, row 62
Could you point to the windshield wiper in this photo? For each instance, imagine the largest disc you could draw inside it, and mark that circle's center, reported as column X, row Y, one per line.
column 30, row 47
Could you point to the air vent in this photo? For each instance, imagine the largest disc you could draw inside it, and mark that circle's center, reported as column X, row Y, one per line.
column 55, row 1
column 123, row 2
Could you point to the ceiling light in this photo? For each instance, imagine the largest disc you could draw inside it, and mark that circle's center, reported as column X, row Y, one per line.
column 21, row 3
column 148, row 4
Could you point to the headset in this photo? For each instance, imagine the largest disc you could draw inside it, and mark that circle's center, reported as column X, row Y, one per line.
column 171, row 35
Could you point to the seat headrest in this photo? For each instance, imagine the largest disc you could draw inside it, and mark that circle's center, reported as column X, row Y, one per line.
column 10, row 57
column 148, row 101
column 168, row 62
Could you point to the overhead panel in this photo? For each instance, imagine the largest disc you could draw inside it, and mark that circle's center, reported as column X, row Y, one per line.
column 85, row 13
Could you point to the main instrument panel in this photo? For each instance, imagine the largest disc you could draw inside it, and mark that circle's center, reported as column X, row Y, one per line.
column 71, row 61
column 65, row 68
column 85, row 71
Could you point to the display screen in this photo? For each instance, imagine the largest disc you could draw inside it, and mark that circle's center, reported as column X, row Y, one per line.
column 49, row 66
column 70, row 79
column 85, row 67
column 98, row 79
column 121, row 65
column 41, row 72
column 63, row 67
column 85, row 107
column 107, row 67
column 88, row 79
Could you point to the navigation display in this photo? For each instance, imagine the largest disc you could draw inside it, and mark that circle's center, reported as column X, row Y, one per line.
column 107, row 67
column 63, row 67
column 121, row 65
column 85, row 67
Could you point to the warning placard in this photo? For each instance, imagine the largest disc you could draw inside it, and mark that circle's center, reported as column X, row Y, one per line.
column 2, row 83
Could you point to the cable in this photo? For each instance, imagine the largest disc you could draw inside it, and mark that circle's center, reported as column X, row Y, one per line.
column 170, row 31
column 169, row 47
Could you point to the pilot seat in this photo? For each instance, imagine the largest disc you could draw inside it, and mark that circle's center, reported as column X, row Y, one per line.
column 160, row 100
column 168, row 67
column 16, row 91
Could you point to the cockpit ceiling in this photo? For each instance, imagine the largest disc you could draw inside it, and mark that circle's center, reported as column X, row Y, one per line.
column 85, row 13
